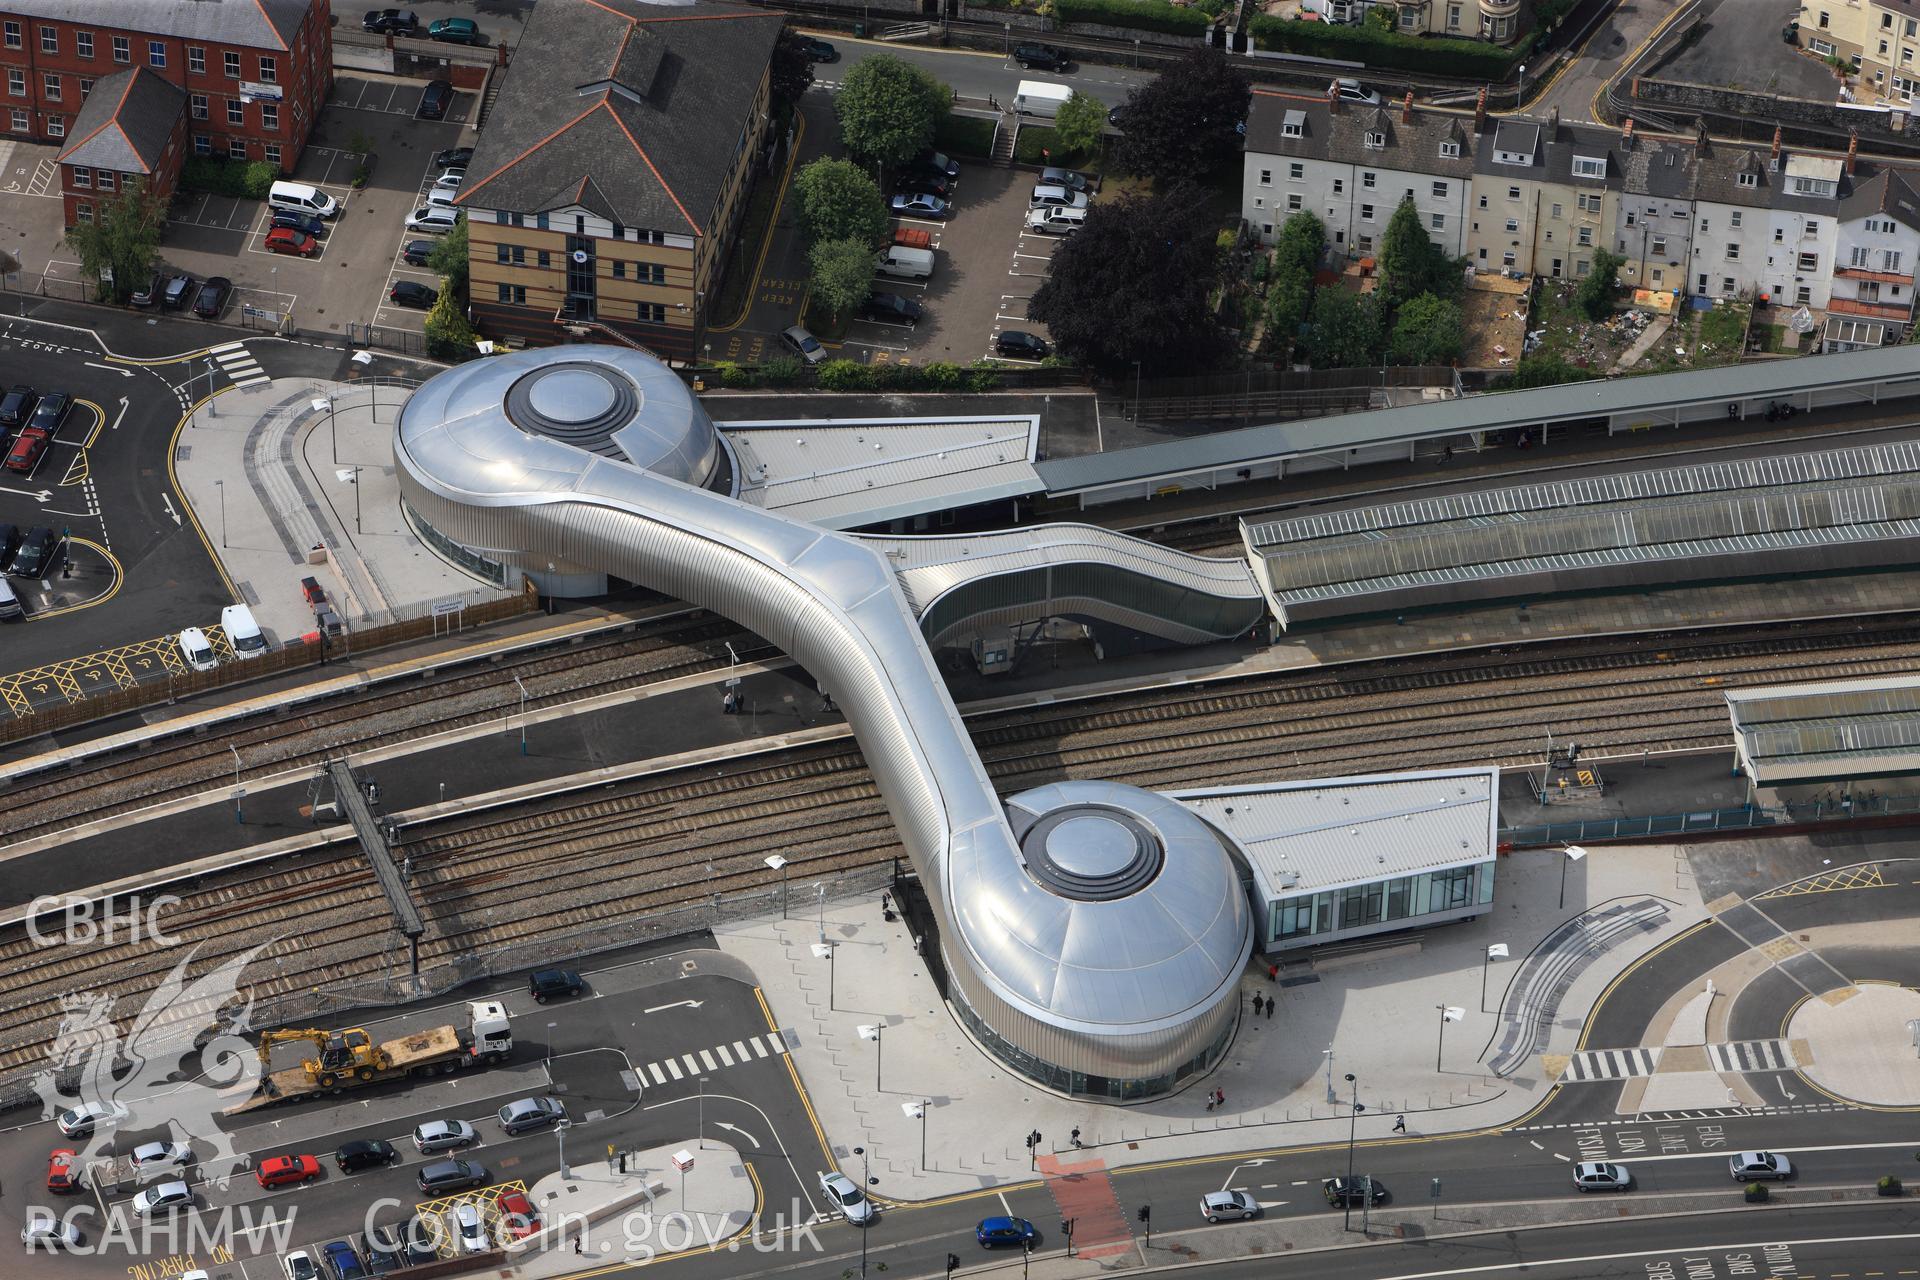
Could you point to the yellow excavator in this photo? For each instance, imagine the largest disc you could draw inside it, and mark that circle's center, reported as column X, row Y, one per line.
column 344, row 1055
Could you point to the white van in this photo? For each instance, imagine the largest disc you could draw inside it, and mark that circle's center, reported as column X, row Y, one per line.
column 903, row 263
column 10, row 610
column 301, row 198
column 243, row 633
column 197, row 649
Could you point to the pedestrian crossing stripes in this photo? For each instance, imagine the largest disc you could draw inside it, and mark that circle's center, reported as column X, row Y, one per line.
column 239, row 364
column 1752, row 1055
column 701, row 1062
column 1610, row 1064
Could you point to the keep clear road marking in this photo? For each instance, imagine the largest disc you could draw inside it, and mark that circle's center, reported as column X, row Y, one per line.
column 1537, row 1263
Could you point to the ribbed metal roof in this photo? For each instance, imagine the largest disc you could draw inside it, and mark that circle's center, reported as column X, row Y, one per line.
column 1305, row 836
column 1828, row 730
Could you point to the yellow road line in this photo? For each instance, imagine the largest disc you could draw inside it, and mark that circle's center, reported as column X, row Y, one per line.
column 173, row 479
column 773, row 221
column 99, row 421
column 119, row 577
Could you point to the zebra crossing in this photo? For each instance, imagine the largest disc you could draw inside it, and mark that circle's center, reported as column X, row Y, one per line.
column 688, row 1066
column 1610, row 1064
column 238, row 363
column 1752, row 1055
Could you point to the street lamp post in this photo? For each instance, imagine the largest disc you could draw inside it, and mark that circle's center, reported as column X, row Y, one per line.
column 824, row 951
column 221, row 487
column 523, row 714
column 560, row 1136
column 1331, row 1095
column 1573, row 853
column 865, row 1182
column 1353, row 1128
column 1498, row 951
column 702, row 1122
column 777, row 863
column 918, row 1111
column 332, row 431
column 1448, row 1013
column 870, row 1031
column 238, row 791
column 1522, row 101
column 820, row 892
column 356, row 501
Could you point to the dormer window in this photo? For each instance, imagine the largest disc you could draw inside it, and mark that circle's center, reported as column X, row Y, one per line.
column 1376, row 140
column 1749, row 179
column 1812, row 187
column 1289, row 130
column 1589, row 167
column 1293, row 124
column 1450, row 150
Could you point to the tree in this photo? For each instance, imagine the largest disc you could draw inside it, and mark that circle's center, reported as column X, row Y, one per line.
column 889, row 109
column 1132, row 284
column 1595, row 293
column 122, row 239
column 1412, row 264
column 1543, row 371
column 1296, row 257
column 1426, row 330
column 1186, row 123
column 1080, row 122
column 791, row 72
column 449, row 258
column 449, row 336
column 1343, row 332
column 839, row 202
column 842, row 273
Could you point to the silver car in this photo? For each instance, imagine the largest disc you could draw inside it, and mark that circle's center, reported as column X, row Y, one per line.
column 443, row 1135
column 528, row 1114
column 1753, row 1166
column 803, row 344
column 1600, row 1176
column 1226, row 1206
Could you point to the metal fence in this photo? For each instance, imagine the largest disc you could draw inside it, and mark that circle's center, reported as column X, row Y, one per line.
column 1705, row 821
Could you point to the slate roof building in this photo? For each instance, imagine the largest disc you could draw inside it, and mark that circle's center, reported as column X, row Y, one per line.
column 132, row 133
column 614, row 170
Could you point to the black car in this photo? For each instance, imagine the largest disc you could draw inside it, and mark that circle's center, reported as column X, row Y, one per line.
column 1113, row 118
column 1345, row 1192
column 1042, row 56
column 1019, row 343
column 934, row 162
column 408, row 293
column 452, row 157
column 178, row 292
column 16, row 406
column 52, row 411
column 545, row 984
column 384, row 1252
column 9, row 539
column 35, row 557
column 819, row 50
column 212, row 298
column 923, row 184
column 445, row 1176
column 149, row 293
column 399, row 22
column 297, row 221
column 417, row 252
column 366, row 1153
column 435, row 100
column 423, row 1237
column 894, row 307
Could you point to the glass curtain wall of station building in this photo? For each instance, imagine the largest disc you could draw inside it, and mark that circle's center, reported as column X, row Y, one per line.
column 1427, row 897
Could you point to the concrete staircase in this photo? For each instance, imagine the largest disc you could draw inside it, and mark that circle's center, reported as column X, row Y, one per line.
column 1006, row 135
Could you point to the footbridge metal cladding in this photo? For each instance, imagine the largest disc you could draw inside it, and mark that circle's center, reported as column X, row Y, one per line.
column 1095, row 933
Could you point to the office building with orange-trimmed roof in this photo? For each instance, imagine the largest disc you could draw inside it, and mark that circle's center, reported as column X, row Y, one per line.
column 614, row 170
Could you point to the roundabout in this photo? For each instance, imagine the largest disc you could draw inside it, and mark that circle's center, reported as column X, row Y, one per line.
column 1862, row 1039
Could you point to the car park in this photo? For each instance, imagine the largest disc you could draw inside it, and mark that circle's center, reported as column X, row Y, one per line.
column 63, row 1171
column 343, row 1261
column 1043, row 57
column 365, row 1153
column 1757, row 1166
column 1351, row 90
column 1021, row 345
column 161, row 1155
column 544, row 984
column 893, row 308
column 411, row 293
column 287, row 240
column 434, row 219
column 16, row 406
column 43, row 1231
column 299, row 1265
column 454, row 31
column 165, row 1198
column 920, row 206
column 1048, row 196
column 243, row 633
column 282, row 1171
column 416, row 252
column 295, row 220
column 179, row 292
column 398, row 22
column 933, row 162
column 1354, row 1192
column 847, row 1198
column 517, row 1216
column 1001, row 1232
column 443, row 1176
column 28, row 448
column 803, row 344
column 197, row 650
column 80, row 1121
column 524, row 1115
column 149, row 293
column 435, row 99
column 1228, row 1206
column 818, row 50
column 924, row 184
column 442, row 1135
column 1597, row 1175
column 212, row 299
column 468, row 1229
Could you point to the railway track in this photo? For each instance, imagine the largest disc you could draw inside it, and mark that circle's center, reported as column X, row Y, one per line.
column 668, row 841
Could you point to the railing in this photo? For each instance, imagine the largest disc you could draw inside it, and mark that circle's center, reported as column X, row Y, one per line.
column 1706, row 821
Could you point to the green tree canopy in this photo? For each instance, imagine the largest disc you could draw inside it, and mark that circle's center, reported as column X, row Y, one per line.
column 1296, row 257
column 1411, row 264
column 1543, row 371
column 1427, row 330
column 1185, row 124
column 1132, row 284
column 889, row 108
column 839, row 202
column 791, row 71
column 449, row 336
column 122, row 238
column 449, row 258
column 1596, row 292
column 842, row 273
column 1080, row 122
column 1343, row 330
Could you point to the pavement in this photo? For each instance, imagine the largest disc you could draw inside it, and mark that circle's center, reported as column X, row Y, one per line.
column 659, row 1202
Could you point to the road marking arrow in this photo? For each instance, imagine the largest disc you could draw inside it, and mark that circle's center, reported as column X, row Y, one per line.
column 678, row 1004
column 168, row 501
column 722, row 1124
column 38, row 495
column 110, row 368
column 119, row 415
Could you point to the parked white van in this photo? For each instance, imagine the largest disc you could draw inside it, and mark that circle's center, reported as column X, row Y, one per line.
column 903, row 263
column 301, row 198
column 242, row 631
column 197, row 650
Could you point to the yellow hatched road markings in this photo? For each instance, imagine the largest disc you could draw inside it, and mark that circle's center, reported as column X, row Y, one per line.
column 1836, row 881
column 120, row 667
column 485, row 1199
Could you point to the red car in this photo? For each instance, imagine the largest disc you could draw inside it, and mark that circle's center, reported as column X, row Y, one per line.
column 287, row 240
column 278, row 1171
column 517, row 1216
column 26, row 451
column 63, row 1171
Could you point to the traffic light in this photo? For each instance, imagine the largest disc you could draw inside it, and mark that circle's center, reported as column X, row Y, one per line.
column 953, row 1260
column 1146, row 1213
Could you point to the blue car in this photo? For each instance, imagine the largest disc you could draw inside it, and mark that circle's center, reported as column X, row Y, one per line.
column 919, row 206
column 344, row 1262
column 992, row 1233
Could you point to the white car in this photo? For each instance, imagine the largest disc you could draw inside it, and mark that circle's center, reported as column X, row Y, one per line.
column 435, row 219
column 45, row 1232
column 1224, row 1206
column 165, row 1198
column 1352, row 90
column 299, row 1265
column 451, row 179
column 156, row 1155
column 847, row 1198
column 441, row 197
column 1751, row 1166
column 81, row 1120
column 463, row 1222
column 196, row 649
column 1600, row 1176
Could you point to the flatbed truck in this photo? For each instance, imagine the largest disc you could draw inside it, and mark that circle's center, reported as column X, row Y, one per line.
column 486, row 1040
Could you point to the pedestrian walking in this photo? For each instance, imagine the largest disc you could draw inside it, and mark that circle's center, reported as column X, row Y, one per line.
column 1220, row 1097
column 1269, row 1006
column 1209, row 1102
column 1399, row 1124
column 1446, row 455
column 1075, row 1136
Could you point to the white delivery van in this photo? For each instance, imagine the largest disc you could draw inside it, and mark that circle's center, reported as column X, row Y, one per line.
column 903, row 263
column 301, row 198
column 1038, row 98
column 243, row 633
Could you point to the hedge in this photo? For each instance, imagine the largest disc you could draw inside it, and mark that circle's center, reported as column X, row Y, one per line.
column 964, row 136
column 851, row 375
column 1469, row 59
column 219, row 176
column 1143, row 15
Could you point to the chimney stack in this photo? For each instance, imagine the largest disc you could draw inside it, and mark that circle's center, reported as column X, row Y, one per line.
column 1776, row 144
column 1853, row 147
column 1626, row 135
column 1406, row 109
column 1553, row 121
column 1480, row 111
column 1701, row 146
column 1333, row 97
